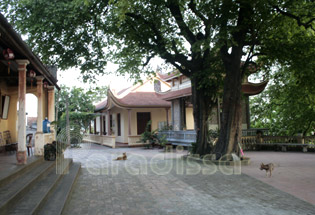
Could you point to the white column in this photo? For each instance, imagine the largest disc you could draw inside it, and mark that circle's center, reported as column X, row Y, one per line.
column 51, row 107
column 21, row 154
column 40, row 104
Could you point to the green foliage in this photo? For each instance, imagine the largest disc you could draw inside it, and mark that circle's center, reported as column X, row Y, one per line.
column 287, row 106
column 193, row 148
column 162, row 140
column 149, row 137
column 166, row 128
column 204, row 40
column 80, row 105
column 213, row 136
column 285, row 110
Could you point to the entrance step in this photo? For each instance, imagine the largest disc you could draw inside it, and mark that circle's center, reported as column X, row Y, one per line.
column 9, row 176
column 13, row 191
column 35, row 188
column 57, row 199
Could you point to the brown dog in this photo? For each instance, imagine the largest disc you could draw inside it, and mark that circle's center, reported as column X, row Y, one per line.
column 268, row 167
column 124, row 157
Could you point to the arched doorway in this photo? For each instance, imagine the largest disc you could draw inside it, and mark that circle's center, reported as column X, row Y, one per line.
column 31, row 115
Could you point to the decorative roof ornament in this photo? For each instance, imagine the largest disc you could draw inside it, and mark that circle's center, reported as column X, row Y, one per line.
column 8, row 55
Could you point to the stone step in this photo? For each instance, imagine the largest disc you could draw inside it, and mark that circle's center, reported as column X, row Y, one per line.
column 57, row 199
column 121, row 145
column 11, row 176
column 35, row 197
column 11, row 192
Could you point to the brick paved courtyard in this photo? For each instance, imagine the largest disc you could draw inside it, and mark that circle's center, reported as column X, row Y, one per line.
column 153, row 182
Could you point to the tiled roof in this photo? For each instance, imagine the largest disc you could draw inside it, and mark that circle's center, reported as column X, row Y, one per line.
column 101, row 105
column 248, row 88
column 170, row 95
column 167, row 76
column 137, row 96
column 251, row 89
column 143, row 99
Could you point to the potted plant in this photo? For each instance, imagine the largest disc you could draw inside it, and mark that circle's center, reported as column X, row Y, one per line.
column 149, row 138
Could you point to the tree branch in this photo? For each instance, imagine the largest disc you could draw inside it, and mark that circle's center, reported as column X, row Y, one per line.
column 160, row 47
column 148, row 60
column 298, row 19
column 173, row 5
column 206, row 21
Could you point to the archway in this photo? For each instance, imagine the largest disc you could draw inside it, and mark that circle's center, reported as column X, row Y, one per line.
column 31, row 115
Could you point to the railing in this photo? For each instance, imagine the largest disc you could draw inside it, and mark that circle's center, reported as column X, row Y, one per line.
column 251, row 142
column 189, row 135
column 253, row 131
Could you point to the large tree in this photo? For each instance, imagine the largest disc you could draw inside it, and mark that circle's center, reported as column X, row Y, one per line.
column 205, row 40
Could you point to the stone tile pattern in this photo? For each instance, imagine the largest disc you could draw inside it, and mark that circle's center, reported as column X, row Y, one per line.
column 100, row 191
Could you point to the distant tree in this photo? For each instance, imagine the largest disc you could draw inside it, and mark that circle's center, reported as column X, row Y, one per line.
column 80, row 103
column 286, row 110
column 287, row 106
column 205, row 40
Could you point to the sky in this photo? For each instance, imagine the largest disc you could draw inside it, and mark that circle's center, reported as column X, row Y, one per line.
column 72, row 78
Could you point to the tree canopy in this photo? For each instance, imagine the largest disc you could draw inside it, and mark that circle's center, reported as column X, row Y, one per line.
column 205, row 40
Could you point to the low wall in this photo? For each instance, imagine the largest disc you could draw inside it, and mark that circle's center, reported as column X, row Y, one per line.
column 134, row 140
column 101, row 139
column 42, row 139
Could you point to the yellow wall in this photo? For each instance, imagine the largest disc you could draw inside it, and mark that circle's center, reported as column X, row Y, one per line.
column 157, row 115
column 11, row 123
column 189, row 119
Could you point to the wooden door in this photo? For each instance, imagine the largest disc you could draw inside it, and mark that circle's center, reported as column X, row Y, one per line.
column 142, row 119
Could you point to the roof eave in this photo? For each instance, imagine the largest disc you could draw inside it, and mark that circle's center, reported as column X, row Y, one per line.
column 26, row 51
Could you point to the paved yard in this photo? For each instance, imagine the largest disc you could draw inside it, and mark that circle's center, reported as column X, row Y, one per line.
column 294, row 172
column 152, row 182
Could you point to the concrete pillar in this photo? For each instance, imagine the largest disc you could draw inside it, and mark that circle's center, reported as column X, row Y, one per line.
column 167, row 120
column 177, row 125
column 182, row 106
column 129, row 122
column 101, row 124
column 21, row 153
column 172, row 111
column 51, row 107
column 39, row 136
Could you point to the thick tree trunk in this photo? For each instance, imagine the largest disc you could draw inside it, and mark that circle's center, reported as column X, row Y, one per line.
column 231, row 121
column 202, row 108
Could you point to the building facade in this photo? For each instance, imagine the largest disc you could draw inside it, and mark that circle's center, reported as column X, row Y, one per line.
column 123, row 116
column 22, row 72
